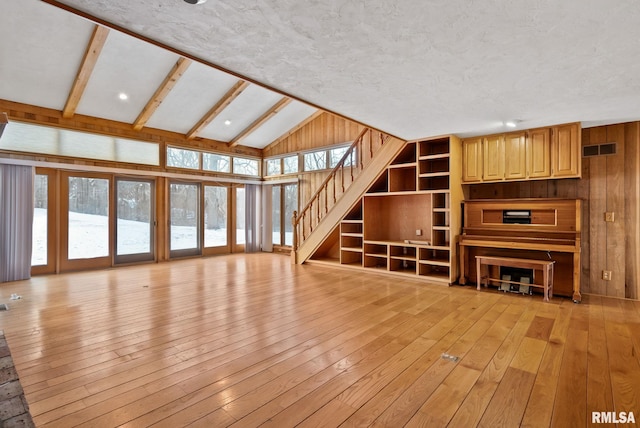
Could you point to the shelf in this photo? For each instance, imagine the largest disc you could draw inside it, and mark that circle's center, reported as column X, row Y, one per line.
column 352, row 249
column 434, row 147
column 346, row 221
column 402, row 179
column 441, row 228
column 434, row 157
column 441, row 210
column 403, row 258
column 382, row 256
column 435, row 262
column 406, row 266
column 403, row 165
column 438, row 182
column 380, row 185
column 347, row 241
column 433, row 174
column 407, row 155
column 352, row 234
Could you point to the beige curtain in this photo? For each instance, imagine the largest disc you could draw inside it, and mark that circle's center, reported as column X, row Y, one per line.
column 16, row 221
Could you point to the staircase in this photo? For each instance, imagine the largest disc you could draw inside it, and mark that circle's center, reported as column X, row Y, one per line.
column 367, row 157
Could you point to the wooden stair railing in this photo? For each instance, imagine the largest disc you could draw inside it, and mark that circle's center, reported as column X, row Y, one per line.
column 349, row 167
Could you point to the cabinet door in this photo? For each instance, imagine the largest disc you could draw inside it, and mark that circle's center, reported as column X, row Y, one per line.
column 565, row 151
column 493, row 158
column 539, row 153
column 515, row 156
column 472, row 160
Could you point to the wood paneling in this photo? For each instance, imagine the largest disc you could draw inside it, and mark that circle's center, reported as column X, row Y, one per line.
column 325, row 130
column 252, row 339
column 609, row 183
column 632, row 209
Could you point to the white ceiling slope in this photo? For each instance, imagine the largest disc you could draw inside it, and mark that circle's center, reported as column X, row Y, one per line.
column 415, row 68
column 42, row 49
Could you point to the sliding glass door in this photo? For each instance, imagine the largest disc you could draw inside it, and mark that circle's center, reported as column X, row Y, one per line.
column 86, row 227
column 135, row 212
column 185, row 229
column 216, row 226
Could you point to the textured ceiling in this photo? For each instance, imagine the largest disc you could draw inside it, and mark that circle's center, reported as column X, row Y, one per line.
column 415, row 68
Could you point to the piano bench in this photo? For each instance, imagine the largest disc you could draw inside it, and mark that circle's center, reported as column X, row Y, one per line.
column 546, row 266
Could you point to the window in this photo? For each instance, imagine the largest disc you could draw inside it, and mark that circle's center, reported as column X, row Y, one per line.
column 274, row 166
column 31, row 138
column 336, row 154
column 290, row 164
column 215, row 162
column 182, row 158
column 315, row 160
column 245, row 166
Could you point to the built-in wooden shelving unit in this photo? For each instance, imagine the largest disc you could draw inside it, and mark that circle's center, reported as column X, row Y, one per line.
column 408, row 221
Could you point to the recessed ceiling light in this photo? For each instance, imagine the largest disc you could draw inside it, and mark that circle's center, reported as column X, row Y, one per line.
column 227, row 122
column 510, row 124
column 123, row 96
column 195, row 1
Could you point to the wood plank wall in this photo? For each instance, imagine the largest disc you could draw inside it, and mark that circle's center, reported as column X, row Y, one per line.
column 609, row 184
column 325, row 130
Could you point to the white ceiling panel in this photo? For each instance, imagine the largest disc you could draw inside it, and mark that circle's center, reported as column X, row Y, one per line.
column 126, row 65
column 41, row 48
column 195, row 93
column 286, row 119
column 415, row 68
column 252, row 103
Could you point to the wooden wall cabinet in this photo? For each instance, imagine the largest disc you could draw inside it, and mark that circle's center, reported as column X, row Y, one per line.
column 542, row 153
column 565, row 151
column 515, row 156
column 472, row 160
column 539, row 153
column 493, row 158
column 408, row 221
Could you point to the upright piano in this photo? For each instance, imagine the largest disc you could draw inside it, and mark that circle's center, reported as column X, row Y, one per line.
column 544, row 229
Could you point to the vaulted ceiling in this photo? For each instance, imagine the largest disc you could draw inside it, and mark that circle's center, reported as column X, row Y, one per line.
column 413, row 68
column 52, row 58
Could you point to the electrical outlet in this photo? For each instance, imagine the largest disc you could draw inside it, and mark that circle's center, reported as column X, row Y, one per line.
column 609, row 216
column 606, row 275
column 418, row 232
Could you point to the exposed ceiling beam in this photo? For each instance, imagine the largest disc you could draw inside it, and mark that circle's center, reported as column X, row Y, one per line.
column 262, row 119
column 217, row 109
column 163, row 90
column 98, row 38
column 4, row 119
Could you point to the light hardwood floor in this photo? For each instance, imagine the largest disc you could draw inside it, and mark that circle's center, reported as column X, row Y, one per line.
column 249, row 340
